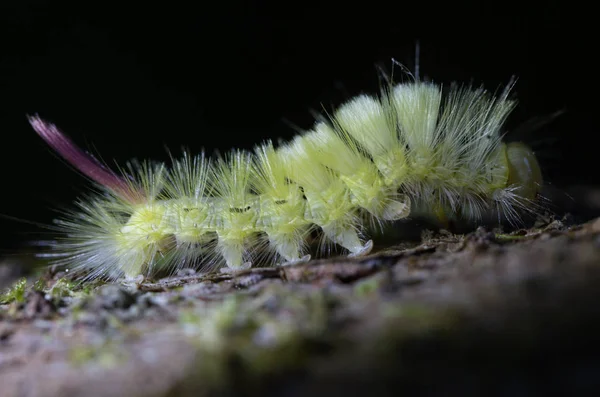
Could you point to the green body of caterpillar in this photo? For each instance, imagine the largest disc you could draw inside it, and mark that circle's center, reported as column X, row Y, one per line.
column 377, row 158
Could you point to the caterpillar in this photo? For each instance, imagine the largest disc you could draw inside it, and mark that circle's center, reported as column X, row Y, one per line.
column 414, row 148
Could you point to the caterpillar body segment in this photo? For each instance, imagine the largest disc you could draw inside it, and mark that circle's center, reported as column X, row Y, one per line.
column 414, row 149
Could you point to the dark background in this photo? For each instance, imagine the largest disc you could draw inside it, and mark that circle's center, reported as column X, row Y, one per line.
column 129, row 80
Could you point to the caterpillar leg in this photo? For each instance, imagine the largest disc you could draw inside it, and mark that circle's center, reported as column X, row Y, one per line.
column 396, row 209
column 366, row 249
column 304, row 259
column 348, row 238
column 232, row 251
column 131, row 280
column 244, row 266
column 440, row 215
column 289, row 246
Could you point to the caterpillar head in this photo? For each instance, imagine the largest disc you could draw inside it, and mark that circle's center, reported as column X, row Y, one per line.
column 523, row 170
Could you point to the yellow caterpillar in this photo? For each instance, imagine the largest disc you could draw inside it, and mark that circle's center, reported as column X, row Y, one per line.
column 376, row 159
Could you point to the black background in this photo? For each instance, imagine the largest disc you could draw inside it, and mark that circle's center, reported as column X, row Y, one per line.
column 127, row 80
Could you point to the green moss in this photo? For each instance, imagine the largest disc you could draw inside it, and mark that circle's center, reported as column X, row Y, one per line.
column 16, row 293
column 86, row 288
column 369, row 286
column 508, row 237
column 61, row 289
column 39, row 285
column 105, row 355
column 411, row 312
column 272, row 332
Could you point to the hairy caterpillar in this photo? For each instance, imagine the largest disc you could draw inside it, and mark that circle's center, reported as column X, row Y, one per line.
column 411, row 149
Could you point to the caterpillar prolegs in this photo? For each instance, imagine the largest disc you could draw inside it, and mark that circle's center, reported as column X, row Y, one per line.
column 413, row 148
